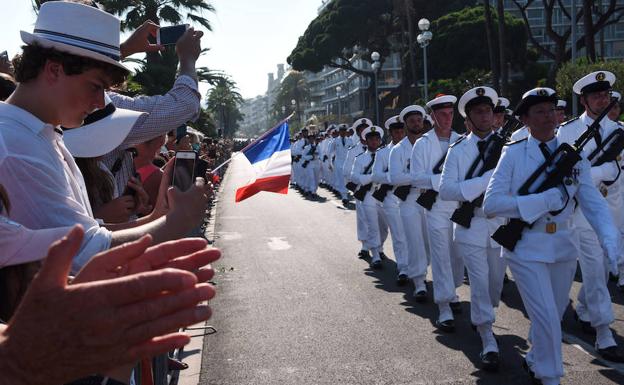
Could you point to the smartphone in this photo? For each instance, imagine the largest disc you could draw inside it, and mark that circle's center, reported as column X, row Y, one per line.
column 184, row 170
column 170, row 35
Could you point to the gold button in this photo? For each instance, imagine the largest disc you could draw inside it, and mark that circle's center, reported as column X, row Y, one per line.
column 551, row 228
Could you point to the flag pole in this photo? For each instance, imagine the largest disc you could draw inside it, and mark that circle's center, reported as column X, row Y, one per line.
column 254, row 142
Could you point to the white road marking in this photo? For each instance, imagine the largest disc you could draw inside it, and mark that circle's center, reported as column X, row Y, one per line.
column 590, row 351
column 278, row 244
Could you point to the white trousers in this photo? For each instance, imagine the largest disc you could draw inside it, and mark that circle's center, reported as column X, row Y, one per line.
column 395, row 223
column 447, row 266
column 486, row 270
column 339, row 181
column 414, row 225
column 372, row 212
column 594, row 301
column 544, row 288
column 361, row 223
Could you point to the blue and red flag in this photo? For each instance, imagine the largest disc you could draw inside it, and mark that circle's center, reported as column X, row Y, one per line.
column 269, row 158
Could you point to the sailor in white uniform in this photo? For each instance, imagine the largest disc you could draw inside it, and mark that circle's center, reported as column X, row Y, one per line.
column 338, row 149
column 362, row 175
column 412, row 214
column 594, row 302
column 390, row 202
column 426, row 162
column 500, row 109
column 543, row 261
column 464, row 179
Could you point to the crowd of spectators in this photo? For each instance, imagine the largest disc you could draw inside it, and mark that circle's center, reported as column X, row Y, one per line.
column 97, row 270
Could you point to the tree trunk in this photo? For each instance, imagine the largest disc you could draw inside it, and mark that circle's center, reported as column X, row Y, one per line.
column 490, row 44
column 588, row 27
column 501, row 47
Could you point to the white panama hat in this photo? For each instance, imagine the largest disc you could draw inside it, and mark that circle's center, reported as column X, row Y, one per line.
column 102, row 131
column 77, row 29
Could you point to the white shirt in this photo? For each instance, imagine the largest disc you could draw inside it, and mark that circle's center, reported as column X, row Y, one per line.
column 517, row 163
column 44, row 185
column 455, row 187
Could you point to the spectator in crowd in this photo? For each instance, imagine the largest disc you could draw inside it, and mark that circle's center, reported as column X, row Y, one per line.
column 151, row 175
column 166, row 112
column 7, row 86
column 5, row 64
column 59, row 84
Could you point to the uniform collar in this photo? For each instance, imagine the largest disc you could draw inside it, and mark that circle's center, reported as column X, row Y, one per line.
column 534, row 150
column 472, row 138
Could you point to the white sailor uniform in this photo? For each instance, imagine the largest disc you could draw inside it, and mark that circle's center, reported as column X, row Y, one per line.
column 544, row 260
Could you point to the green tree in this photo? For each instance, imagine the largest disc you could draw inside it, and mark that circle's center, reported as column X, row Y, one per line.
column 293, row 87
column 135, row 12
column 224, row 101
column 450, row 33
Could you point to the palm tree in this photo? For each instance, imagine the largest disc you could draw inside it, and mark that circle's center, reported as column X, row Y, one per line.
column 224, row 101
column 171, row 11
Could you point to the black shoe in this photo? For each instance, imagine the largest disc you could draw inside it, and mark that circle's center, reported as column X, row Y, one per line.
column 490, row 361
column 447, row 326
column 585, row 326
column 456, row 307
column 612, row 353
column 506, row 279
column 345, row 202
column 382, row 255
column 621, row 287
column 402, row 280
column 613, row 277
column 174, row 364
column 534, row 380
column 420, row 296
column 363, row 254
column 376, row 265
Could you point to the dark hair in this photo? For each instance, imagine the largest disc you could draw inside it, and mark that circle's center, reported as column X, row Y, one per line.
column 100, row 185
column 7, row 86
column 33, row 58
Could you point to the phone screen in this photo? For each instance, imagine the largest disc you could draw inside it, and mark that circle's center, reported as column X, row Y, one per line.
column 184, row 170
column 171, row 35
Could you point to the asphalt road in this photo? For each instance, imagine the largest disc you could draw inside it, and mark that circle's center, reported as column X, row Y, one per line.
column 296, row 306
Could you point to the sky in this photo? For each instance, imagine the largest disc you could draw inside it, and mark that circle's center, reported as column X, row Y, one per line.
column 249, row 37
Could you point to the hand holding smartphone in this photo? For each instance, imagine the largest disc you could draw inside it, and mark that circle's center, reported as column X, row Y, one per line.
column 170, row 35
column 184, row 170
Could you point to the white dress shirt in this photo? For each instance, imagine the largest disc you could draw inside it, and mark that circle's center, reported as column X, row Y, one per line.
column 44, row 185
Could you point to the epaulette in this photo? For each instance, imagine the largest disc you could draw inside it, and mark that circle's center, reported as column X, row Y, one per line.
column 569, row 121
column 362, row 153
column 458, row 141
column 516, row 142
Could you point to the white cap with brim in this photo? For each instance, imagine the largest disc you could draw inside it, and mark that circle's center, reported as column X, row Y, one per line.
column 362, row 122
column 501, row 105
column 616, row 95
column 394, row 122
column 429, row 119
column 475, row 96
column 21, row 245
column 79, row 30
column 561, row 104
column 413, row 109
column 594, row 82
column 533, row 97
column 372, row 130
column 442, row 101
column 103, row 131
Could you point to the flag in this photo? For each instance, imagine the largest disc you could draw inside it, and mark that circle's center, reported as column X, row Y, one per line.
column 269, row 158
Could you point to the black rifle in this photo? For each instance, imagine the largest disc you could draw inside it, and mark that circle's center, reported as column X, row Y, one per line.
column 311, row 152
column 351, row 186
column 611, row 153
column 382, row 191
column 563, row 161
column 493, row 149
column 360, row 194
column 428, row 198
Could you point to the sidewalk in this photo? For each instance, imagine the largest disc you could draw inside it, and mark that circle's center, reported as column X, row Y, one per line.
column 192, row 353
